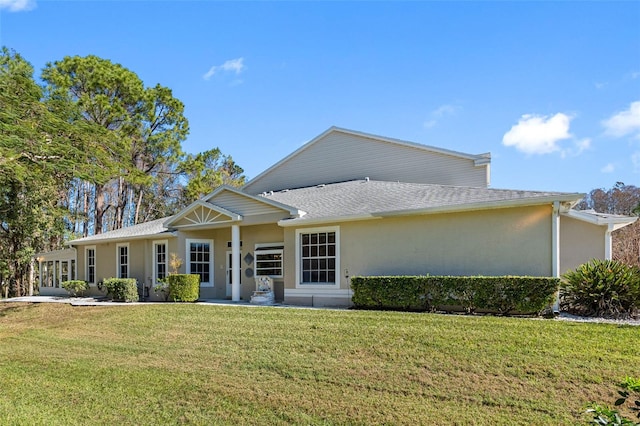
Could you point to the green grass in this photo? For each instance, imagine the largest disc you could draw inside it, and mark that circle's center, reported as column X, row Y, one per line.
column 196, row 364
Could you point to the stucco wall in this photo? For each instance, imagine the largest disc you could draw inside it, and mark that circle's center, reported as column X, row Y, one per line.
column 250, row 236
column 579, row 242
column 513, row 241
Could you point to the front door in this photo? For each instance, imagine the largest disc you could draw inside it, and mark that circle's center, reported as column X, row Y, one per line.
column 230, row 272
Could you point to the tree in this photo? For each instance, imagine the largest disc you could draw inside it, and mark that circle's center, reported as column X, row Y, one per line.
column 102, row 94
column 625, row 200
column 145, row 128
column 39, row 152
column 208, row 170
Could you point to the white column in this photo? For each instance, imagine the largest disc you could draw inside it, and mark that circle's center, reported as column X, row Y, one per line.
column 555, row 240
column 235, row 263
column 555, row 248
column 608, row 243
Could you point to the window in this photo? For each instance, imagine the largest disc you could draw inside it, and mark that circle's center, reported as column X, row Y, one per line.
column 90, row 256
column 318, row 258
column 269, row 259
column 160, row 260
column 64, row 271
column 200, row 260
column 122, row 253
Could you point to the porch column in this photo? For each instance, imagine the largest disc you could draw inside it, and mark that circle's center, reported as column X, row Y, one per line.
column 555, row 240
column 555, row 248
column 235, row 263
column 608, row 243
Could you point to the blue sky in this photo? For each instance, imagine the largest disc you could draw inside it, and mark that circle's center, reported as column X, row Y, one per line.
column 551, row 89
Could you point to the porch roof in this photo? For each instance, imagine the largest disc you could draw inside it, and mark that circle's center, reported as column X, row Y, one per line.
column 142, row 230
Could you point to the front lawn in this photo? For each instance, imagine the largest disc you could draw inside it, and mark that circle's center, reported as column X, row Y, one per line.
column 197, row 364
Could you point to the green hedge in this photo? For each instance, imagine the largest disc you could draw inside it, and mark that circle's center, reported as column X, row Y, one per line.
column 75, row 287
column 503, row 295
column 183, row 287
column 122, row 289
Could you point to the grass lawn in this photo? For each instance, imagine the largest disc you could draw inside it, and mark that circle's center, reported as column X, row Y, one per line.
column 198, row 364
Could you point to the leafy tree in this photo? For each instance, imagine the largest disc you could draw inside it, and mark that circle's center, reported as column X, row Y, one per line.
column 208, row 170
column 97, row 92
column 625, row 200
column 39, row 151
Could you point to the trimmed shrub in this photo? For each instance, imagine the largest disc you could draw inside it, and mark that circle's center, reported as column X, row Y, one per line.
column 75, row 287
column 183, row 287
column 606, row 288
column 122, row 289
column 503, row 295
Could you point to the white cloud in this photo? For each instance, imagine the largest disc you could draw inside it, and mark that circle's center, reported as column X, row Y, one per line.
column 624, row 122
column 232, row 65
column 442, row 111
column 609, row 168
column 17, row 5
column 535, row 134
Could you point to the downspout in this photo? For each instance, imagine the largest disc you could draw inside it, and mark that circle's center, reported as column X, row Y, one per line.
column 608, row 242
column 235, row 263
column 555, row 249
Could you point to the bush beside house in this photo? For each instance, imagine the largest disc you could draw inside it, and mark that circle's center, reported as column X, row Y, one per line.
column 183, row 287
column 75, row 287
column 503, row 295
column 122, row 289
column 603, row 288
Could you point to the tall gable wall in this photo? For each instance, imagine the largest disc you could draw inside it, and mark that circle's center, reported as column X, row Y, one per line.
column 340, row 156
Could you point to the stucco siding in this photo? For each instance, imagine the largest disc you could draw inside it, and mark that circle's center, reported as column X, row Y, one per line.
column 250, row 236
column 340, row 157
column 514, row 241
column 579, row 242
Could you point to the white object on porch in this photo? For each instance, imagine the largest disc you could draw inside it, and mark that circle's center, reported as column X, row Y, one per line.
column 264, row 291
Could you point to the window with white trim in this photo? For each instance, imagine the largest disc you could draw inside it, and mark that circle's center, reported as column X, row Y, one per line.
column 200, row 260
column 159, row 260
column 122, row 254
column 318, row 256
column 268, row 258
column 90, row 264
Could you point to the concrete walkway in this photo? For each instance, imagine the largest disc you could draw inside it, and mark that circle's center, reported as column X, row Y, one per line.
column 103, row 301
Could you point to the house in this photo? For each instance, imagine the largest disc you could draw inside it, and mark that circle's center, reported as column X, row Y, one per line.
column 347, row 203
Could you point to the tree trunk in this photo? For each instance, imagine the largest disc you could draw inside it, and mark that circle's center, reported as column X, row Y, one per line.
column 100, row 209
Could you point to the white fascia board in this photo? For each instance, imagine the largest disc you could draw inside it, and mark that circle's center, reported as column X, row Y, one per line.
column 291, row 210
column 94, row 241
column 300, row 222
column 200, row 203
column 616, row 222
column 569, row 198
column 488, row 205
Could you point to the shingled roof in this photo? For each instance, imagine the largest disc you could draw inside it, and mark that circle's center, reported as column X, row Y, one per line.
column 362, row 198
column 142, row 230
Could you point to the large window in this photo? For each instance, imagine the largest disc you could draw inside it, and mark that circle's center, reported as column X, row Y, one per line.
column 269, row 259
column 90, row 262
column 200, row 260
column 159, row 260
column 122, row 253
column 318, row 258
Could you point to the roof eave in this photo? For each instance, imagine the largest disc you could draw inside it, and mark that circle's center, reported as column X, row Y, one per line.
column 89, row 242
column 567, row 199
column 615, row 222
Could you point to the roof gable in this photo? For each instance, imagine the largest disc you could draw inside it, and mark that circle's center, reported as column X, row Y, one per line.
column 202, row 213
column 339, row 155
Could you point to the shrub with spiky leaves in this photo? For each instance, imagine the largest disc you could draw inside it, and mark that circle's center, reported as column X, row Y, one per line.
column 603, row 288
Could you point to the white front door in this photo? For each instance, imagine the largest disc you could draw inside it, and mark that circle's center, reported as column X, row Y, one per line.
column 230, row 271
